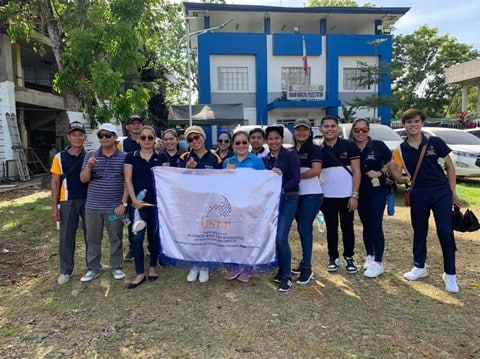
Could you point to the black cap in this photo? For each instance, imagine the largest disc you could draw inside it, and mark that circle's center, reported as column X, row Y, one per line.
column 134, row 118
column 76, row 126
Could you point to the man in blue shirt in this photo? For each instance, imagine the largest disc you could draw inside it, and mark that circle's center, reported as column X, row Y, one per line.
column 102, row 169
column 68, row 197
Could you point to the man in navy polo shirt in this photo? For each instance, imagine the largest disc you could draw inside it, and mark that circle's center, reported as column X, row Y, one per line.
column 131, row 142
column 432, row 190
column 102, row 169
column 340, row 178
column 68, row 197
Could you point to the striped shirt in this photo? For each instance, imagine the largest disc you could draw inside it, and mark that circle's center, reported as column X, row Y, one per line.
column 105, row 189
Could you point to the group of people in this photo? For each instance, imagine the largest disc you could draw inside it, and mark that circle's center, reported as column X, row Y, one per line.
column 337, row 177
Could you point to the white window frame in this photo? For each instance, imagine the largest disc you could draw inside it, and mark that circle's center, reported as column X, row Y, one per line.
column 232, row 78
column 349, row 84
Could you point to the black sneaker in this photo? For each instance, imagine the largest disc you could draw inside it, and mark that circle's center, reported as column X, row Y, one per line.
column 332, row 265
column 277, row 277
column 129, row 257
column 305, row 276
column 297, row 269
column 350, row 265
column 285, row 284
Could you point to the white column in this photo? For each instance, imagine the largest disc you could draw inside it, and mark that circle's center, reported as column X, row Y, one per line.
column 464, row 97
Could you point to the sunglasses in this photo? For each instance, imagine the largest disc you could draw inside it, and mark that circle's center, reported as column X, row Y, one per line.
column 238, row 143
column 362, row 130
column 221, row 140
column 147, row 138
column 105, row 135
column 193, row 138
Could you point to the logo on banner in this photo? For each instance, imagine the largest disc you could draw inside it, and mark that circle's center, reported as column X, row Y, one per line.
column 218, row 207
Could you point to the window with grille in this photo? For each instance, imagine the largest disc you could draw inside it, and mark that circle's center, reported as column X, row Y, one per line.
column 232, row 78
column 294, row 76
column 355, row 79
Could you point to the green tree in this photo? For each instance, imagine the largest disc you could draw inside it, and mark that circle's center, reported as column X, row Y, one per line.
column 106, row 52
column 418, row 74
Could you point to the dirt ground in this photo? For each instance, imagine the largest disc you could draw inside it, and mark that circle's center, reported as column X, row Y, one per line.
column 337, row 316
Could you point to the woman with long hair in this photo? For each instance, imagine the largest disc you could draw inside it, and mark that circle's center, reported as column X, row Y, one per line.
column 286, row 163
column 171, row 146
column 374, row 156
column 310, row 195
column 139, row 179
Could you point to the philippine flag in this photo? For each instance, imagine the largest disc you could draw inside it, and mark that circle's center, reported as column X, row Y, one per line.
column 304, row 57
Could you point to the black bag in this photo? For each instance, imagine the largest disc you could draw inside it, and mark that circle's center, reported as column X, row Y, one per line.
column 465, row 222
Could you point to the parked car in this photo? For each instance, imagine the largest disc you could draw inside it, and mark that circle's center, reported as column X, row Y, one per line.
column 287, row 134
column 474, row 131
column 377, row 132
column 465, row 148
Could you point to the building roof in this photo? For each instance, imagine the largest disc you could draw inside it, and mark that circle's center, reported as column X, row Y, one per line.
column 250, row 18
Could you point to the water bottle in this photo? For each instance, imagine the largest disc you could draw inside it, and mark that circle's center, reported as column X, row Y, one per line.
column 320, row 222
column 141, row 195
column 391, row 204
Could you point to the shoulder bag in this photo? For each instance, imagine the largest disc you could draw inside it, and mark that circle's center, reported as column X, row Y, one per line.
column 406, row 194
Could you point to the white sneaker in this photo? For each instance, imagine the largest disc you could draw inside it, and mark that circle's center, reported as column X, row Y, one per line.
column 89, row 276
column 118, row 274
column 63, row 278
column 203, row 276
column 416, row 273
column 451, row 283
column 193, row 274
column 373, row 270
column 368, row 260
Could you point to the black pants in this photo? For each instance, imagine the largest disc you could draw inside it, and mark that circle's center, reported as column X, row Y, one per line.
column 332, row 209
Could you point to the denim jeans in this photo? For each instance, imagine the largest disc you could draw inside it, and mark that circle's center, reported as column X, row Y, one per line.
column 307, row 209
column 149, row 215
column 286, row 214
column 333, row 208
column 371, row 206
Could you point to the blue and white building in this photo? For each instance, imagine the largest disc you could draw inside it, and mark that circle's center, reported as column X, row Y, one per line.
column 257, row 58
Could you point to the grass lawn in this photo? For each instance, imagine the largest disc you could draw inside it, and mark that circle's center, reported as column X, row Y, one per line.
column 338, row 315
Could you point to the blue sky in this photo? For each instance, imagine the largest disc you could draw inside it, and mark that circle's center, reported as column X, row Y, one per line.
column 459, row 18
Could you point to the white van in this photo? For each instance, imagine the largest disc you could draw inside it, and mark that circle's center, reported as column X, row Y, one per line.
column 287, row 134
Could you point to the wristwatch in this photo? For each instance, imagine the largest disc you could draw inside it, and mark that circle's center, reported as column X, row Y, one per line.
column 125, row 204
column 355, row 195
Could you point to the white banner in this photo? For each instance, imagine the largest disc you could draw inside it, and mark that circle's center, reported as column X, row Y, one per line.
column 218, row 216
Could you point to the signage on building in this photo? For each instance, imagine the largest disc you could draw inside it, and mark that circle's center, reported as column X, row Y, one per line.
column 306, row 92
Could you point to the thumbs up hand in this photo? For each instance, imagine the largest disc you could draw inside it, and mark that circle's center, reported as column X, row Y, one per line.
column 92, row 161
column 191, row 163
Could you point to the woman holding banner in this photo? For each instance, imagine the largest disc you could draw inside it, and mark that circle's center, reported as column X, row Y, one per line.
column 198, row 157
column 139, row 179
column 310, row 195
column 242, row 159
column 287, row 164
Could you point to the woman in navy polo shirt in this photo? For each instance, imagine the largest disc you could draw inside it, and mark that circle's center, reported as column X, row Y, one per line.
column 432, row 191
column 224, row 145
column 374, row 155
column 171, row 147
column 310, row 195
column 138, row 176
column 287, row 164
column 198, row 157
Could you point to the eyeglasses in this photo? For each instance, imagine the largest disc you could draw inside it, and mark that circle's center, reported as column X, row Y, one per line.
column 105, row 135
column 147, row 138
column 362, row 130
column 221, row 140
column 193, row 138
column 238, row 143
